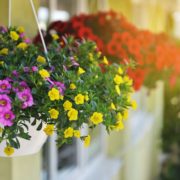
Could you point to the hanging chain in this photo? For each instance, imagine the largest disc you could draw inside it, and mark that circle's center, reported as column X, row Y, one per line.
column 39, row 29
column 9, row 12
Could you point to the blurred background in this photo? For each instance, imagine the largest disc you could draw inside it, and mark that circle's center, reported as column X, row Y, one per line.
column 148, row 148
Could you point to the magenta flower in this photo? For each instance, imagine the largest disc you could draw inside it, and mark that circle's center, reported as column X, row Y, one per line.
column 26, row 97
column 6, row 118
column 5, row 103
column 5, row 86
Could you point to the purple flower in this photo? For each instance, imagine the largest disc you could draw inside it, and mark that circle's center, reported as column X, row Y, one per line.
column 3, row 29
column 9, row 79
column 52, row 68
column 26, row 69
column 5, row 103
column 6, row 118
column 22, row 86
column 34, row 68
column 61, row 87
column 15, row 73
column 74, row 61
column 26, row 97
column 5, row 86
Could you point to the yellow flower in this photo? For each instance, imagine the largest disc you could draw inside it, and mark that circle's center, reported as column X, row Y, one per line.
column 44, row 73
column 20, row 29
column 117, row 89
column 22, row 46
column 14, row 36
column 128, row 80
column 54, row 94
column 53, row 113
column 119, row 116
column 77, row 133
column 67, row 105
column 4, row 51
column 134, row 105
column 73, row 114
column 113, row 106
column 125, row 115
column 68, row 132
column 119, row 126
column 79, row 99
column 87, row 141
column 72, row 86
column 91, row 58
column 1, row 62
column 105, row 61
column 99, row 53
column 86, row 97
column 55, row 36
column 49, row 129
column 96, row 118
column 128, row 98
column 81, row 71
column 41, row 59
column 118, row 79
column 9, row 150
column 120, row 70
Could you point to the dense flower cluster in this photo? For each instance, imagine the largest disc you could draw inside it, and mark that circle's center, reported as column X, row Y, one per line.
column 61, row 91
column 154, row 54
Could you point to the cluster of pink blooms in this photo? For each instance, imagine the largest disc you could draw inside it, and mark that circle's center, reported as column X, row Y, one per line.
column 22, row 92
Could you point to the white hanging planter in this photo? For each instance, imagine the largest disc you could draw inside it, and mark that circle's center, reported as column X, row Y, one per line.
column 28, row 147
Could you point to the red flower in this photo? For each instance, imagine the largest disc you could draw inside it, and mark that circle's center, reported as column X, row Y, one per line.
column 85, row 33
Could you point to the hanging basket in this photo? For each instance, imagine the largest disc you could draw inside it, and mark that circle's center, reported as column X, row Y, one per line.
column 38, row 138
column 57, row 92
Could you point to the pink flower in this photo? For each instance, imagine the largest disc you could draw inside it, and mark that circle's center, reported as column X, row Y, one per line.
column 34, row 68
column 5, row 86
column 26, row 97
column 5, row 103
column 27, row 40
column 21, row 35
column 6, row 118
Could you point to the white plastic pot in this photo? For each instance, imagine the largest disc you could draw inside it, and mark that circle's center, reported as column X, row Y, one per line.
column 27, row 147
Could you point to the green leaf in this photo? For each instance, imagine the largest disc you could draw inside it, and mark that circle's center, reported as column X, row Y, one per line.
column 24, row 136
column 34, row 122
column 40, row 126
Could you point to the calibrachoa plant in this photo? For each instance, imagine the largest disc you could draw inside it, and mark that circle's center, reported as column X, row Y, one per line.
column 61, row 91
column 155, row 55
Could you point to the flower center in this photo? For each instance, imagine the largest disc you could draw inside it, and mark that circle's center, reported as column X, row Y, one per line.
column 25, row 98
column 7, row 116
column 3, row 102
column 3, row 86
